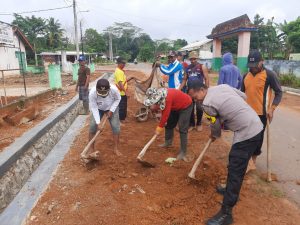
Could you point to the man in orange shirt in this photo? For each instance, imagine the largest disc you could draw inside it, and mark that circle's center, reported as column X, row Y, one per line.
column 258, row 84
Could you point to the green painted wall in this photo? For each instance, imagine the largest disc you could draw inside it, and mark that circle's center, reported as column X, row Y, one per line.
column 216, row 63
column 242, row 64
column 75, row 68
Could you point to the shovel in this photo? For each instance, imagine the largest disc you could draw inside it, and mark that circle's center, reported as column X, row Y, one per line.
column 142, row 153
column 198, row 161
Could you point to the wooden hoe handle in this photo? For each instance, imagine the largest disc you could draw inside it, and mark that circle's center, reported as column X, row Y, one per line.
column 87, row 147
column 199, row 159
column 142, row 153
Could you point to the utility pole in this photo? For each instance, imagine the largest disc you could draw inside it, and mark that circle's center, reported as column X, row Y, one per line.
column 76, row 30
column 35, row 55
column 81, row 39
column 111, row 57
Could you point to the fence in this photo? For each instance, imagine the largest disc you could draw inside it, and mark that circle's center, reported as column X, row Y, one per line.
column 4, row 85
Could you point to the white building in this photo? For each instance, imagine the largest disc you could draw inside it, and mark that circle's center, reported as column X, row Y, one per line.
column 204, row 48
column 13, row 45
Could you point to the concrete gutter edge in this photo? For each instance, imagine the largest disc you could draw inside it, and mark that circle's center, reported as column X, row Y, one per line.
column 19, row 209
column 290, row 90
column 12, row 153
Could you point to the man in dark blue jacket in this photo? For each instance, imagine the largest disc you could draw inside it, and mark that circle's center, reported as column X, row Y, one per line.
column 229, row 73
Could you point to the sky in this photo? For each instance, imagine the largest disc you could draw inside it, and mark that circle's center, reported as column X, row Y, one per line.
column 192, row 20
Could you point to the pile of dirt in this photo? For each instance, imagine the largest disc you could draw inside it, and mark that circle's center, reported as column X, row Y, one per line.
column 8, row 132
column 118, row 190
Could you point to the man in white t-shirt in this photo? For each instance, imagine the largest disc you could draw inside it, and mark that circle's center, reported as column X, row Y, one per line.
column 104, row 99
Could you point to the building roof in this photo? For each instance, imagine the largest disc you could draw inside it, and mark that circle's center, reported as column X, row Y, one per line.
column 20, row 34
column 16, row 30
column 194, row 45
column 235, row 25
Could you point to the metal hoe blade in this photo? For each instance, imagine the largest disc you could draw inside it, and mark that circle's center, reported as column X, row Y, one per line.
column 145, row 163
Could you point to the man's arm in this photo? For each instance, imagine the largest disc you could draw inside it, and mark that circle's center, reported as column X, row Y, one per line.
column 221, row 77
column 206, row 78
column 117, row 99
column 168, row 70
column 243, row 83
column 88, row 74
column 93, row 106
column 275, row 85
column 239, row 81
column 184, row 80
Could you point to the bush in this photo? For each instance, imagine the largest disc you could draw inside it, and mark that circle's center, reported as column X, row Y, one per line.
column 290, row 80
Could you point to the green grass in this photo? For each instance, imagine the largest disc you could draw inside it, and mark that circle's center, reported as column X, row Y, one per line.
column 289, row 80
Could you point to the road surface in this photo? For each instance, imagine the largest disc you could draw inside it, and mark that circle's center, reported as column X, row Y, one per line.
column 285, row 148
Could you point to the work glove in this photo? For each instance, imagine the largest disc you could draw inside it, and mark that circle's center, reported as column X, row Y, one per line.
column 158, row 130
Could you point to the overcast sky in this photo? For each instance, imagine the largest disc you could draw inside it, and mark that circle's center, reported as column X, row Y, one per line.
column 188, row 19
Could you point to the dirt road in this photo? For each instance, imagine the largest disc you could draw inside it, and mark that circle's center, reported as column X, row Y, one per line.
column 119, row 191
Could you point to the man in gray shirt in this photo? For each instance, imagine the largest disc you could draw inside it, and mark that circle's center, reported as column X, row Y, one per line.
column 226, row 104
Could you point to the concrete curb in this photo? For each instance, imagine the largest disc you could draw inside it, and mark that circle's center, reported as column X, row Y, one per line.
column 18, row 210
column 19, row 160
column 12, row 153
column 290, row 90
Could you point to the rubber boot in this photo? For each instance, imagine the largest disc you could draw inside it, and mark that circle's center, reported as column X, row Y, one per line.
column 183, row 146
column 169, row 134
column 223, row 217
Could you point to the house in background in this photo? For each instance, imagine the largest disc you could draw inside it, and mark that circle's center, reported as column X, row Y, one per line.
column 204, row 49
column 63, row 58
column 13, row 47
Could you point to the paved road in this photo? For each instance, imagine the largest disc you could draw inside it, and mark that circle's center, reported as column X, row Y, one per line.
column 285, row 147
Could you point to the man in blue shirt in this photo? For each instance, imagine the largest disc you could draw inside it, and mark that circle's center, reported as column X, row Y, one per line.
column 174, row 70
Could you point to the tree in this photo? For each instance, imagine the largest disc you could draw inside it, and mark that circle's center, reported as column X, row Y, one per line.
column 94, row 42
column 179, row 43
column 265, row 39
column 54, row 33
column 230, row 45
column 146, row 52
column 32, row 27
column 290, row 36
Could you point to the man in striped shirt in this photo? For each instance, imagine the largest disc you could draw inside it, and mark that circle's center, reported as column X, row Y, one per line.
column 174, row 70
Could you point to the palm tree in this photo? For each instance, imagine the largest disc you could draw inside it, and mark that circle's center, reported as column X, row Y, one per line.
column 54, row 33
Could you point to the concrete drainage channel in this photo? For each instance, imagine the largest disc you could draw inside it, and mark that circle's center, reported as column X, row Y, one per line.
column 27, row 165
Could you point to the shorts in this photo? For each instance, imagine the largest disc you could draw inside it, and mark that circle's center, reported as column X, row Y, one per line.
column 114, row 122
column 83, row 93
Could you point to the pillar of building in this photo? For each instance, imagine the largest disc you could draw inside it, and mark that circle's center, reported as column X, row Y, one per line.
column 64, row 62
column 217, row 56
column 243, row 51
